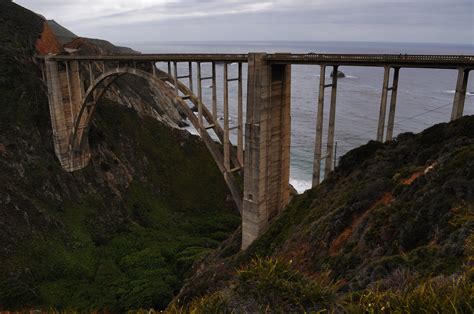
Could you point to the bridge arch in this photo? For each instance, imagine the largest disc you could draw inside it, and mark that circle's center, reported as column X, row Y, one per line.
column 79, row 142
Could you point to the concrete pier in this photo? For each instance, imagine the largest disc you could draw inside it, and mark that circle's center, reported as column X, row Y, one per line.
column 393, row 105
column 460, row 94
column 65, row 91
column 332, row 125
column 318, row 146
column 383, row 104
column 319, row 129
column 267, row 145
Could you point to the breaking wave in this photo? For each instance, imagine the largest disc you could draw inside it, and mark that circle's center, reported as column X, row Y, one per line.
column 300, row 185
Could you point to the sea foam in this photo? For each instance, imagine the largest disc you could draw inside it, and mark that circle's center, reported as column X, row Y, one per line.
column 300, row 185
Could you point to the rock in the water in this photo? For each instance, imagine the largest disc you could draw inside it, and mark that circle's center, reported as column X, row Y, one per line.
column 340, row 74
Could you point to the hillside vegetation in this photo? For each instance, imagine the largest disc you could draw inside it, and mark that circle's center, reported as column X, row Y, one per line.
column 120, row 234
column 393, row 224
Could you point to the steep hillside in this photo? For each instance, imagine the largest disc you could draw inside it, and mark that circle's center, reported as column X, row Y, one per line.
column 390, row 216
column 120, row 234
column 98, row 46
column 62, row 34
column 71, row 40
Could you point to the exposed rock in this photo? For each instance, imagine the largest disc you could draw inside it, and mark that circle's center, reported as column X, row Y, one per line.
column 48, row 42
column 340, row 74
column 62, row 34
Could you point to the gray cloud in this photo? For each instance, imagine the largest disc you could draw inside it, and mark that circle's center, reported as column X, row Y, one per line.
column 369, row 20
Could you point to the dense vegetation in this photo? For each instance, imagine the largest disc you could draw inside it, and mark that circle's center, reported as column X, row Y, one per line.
column 274, row 285
column 120, row 234
column 399, row 214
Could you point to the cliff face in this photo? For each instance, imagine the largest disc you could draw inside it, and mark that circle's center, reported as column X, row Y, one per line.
column 120, row 234
column 48, row 41
column 62, row 34
column 390, row 216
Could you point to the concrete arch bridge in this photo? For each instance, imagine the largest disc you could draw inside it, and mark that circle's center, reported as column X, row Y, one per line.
column 262, row 149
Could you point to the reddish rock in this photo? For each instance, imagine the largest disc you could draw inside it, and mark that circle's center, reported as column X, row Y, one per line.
column 47, row 42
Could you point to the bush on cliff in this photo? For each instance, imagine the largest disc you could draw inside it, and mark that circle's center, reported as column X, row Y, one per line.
column 274, row 285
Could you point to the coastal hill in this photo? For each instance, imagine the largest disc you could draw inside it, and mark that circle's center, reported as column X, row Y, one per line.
column 70, row 40
column 119, row 234
column 62, row 34
column 393, row 221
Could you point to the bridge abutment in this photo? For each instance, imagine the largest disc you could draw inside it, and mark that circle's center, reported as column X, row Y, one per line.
column 267, row 145
column 65, row 90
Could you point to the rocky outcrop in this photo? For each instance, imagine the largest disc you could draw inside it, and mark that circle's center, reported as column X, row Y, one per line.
column 146, row 99
column 340, row 74
column 62, row 34
column 48, row 42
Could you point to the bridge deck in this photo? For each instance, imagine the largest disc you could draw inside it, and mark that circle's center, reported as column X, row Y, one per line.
column 178, row 57
column 376, row 60
column 398, row 60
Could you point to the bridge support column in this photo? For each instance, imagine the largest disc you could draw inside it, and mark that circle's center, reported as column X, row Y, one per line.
column 65, row 90
column 267, row 145
column 383, row 104
column 331, row 125
column 393, row 105
column 460, row 95
column 319, row 129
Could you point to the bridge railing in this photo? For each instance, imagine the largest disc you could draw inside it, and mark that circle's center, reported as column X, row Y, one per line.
column 168, row 57
column 379, row 59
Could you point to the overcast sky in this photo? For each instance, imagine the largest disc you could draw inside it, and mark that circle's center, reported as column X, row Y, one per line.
column 441, row 21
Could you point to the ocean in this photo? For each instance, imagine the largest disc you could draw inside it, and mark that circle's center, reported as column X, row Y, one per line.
column 424, row 98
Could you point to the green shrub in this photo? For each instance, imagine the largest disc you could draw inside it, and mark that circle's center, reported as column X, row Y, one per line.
column 274, row 282
column 437, row 295
column 209, row 304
